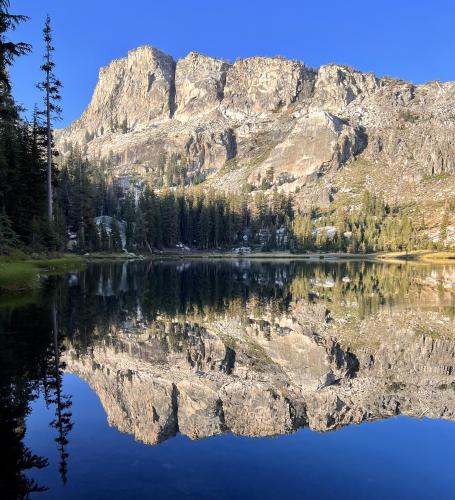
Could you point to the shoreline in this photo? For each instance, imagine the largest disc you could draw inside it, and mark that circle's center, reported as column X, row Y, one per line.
column 417, row 256
column 19, row 275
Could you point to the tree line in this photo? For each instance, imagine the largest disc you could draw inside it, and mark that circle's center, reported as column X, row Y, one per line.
column 200, row 218
column 153, row 219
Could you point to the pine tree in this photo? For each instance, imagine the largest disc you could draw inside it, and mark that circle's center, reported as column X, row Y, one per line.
column 140, row 235
column 14, row 136
column 205, row 224
column 303, row 232
column 8, row 238
column 104, row 238
column 9, row 50
column 443, row 228
column 169, row 219
column 116, row 240
column 77, row 196
column 51, row 88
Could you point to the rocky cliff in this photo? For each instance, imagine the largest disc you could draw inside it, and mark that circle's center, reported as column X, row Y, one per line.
column 320, row 135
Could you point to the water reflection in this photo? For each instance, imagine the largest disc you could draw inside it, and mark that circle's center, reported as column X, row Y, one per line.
column 202, row 348
column 31, row 346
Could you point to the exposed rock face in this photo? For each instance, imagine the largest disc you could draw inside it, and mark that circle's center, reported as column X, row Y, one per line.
column 260, row 85
column 337, row 86
column 131, row 93
column 199, row 85
column 148, row 113
column 410, row 126
column 318, row 142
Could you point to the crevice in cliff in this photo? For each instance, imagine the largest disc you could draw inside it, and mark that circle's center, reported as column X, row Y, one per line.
column 227, row 365
column 172, row 92
column 305, row 84
column 231, row 146
column 222, row 84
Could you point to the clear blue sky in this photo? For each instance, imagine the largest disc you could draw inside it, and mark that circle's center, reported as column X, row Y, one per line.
column 413, row 39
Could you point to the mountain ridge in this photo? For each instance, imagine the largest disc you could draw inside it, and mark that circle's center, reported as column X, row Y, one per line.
column 262, row 123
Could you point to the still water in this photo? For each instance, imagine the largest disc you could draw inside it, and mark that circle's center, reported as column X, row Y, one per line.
column 230, row 379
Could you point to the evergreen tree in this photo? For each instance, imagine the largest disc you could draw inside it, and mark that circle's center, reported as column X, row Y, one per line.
column 51, row 88
column 116, row 240
column 9, row 50
column 140, row 234
column 443, row 228
column 8, row 238
column 303, row 232
column 104, row 238
column 169, row 219
column 62, row 422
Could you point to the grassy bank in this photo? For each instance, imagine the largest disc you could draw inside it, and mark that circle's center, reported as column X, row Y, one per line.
column 17, row 276
column 23, row 274
column 419, row 256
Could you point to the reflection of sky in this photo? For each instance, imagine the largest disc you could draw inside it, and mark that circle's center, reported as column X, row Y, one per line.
column 396, row 458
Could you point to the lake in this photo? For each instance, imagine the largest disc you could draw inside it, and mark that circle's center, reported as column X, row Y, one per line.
column 217, row 379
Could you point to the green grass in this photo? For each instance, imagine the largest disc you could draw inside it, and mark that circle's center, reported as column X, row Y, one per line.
column 433, row 178
column 426, row 331
column 408, row 116
column 17, row 276
column 20, row 275
column 104, row 256
column 425, row 256
column 230, row 166
column 56, row 265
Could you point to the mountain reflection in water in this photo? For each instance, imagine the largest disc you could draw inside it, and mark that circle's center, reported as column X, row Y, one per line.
column 258, row 348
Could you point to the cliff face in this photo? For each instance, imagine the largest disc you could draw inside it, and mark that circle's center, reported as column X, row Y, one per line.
column 137, row 90
column 229, row 124
column 199, row 85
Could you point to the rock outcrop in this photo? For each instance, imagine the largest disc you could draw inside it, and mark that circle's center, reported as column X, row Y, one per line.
column 131, row 93
column 199, row 85
column 318, row 142
column 337, row 86
column 259, row 86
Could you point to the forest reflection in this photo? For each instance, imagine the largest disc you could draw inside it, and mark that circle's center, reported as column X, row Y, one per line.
column 132, row 294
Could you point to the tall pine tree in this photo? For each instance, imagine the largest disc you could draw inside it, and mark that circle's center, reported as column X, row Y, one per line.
column 51, row 88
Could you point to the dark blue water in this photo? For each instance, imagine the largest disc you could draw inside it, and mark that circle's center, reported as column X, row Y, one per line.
column 397, row 458
column 125, row 327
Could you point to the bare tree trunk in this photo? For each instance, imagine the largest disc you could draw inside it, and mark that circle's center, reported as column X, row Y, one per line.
column 148, row 246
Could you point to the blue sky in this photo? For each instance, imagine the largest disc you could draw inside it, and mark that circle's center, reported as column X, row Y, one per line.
column 412, row 39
